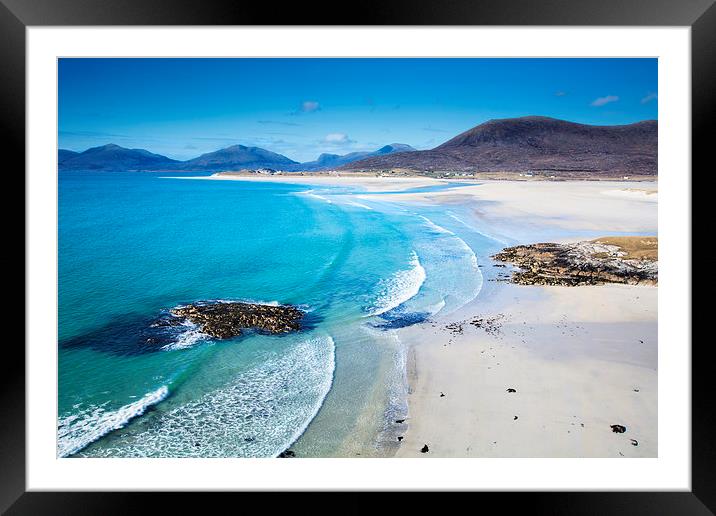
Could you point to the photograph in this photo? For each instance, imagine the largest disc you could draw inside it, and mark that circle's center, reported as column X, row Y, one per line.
column 357, row 257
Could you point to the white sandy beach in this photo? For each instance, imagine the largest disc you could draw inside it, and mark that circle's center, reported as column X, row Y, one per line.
column 517, row 209
column 580, row 359
column 370, row 183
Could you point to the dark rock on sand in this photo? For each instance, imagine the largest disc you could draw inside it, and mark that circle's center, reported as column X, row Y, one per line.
column 618, row 429
column 424, row 449
column 400, row 438
column 288, row 454
column 222, row 320
column 455, row 328
column 511, row 390
column 581, row 263
column 400, row 421
column 634, row 442
column 491, row 325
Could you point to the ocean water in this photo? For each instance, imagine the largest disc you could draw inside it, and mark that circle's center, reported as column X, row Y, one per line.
column 134, row 245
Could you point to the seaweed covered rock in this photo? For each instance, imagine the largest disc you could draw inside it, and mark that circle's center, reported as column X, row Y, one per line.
column 581, row 263
column 222, row 320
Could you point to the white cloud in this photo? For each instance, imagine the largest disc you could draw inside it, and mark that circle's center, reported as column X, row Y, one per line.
column 601, row 101
column 309, row 106
column 337, row 139
column 649, row 97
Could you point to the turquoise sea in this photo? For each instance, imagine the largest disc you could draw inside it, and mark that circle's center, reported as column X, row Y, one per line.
column 134, row 245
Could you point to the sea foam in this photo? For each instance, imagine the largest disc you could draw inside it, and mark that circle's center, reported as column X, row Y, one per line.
column 187, row 338
column 259, row 413
column 76, row 431
column 400, row 287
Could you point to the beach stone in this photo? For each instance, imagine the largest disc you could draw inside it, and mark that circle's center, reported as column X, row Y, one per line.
column 511, row 390
column 618, row 429
column 223, row 320
column 425, row 449
column 288, row 454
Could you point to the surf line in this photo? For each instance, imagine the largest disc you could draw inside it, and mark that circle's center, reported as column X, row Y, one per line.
column 76, row 432
column 400, row 287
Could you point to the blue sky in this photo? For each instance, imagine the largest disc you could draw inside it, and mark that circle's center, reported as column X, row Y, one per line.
column 302, row 107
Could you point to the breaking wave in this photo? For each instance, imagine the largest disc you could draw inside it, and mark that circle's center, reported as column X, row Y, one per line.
column 76, row 431
column 400, row 287
column 187, row 338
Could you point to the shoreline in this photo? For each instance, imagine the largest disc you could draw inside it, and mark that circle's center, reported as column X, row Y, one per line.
column 569, row 209
column 370, row 183
column 579, row 358
column 576, row 356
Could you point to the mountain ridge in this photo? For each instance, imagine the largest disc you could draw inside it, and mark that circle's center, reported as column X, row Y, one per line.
column 112, row 157
column 239, row 156
column 535, row 143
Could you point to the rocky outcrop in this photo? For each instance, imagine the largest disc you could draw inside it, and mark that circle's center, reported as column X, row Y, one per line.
column 222, row 320
column 581, row 263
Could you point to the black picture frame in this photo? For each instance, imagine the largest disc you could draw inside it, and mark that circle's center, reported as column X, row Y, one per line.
column 17, row 15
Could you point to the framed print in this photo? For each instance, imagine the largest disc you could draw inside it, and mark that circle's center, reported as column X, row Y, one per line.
column 447, row 249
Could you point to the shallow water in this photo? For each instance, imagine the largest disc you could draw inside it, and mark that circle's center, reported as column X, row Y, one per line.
column 133, row 245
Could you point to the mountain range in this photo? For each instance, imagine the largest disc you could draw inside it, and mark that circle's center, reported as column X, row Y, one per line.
column 535, row 144
column 325, row 161
column 523, row 144
column 112, row 157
